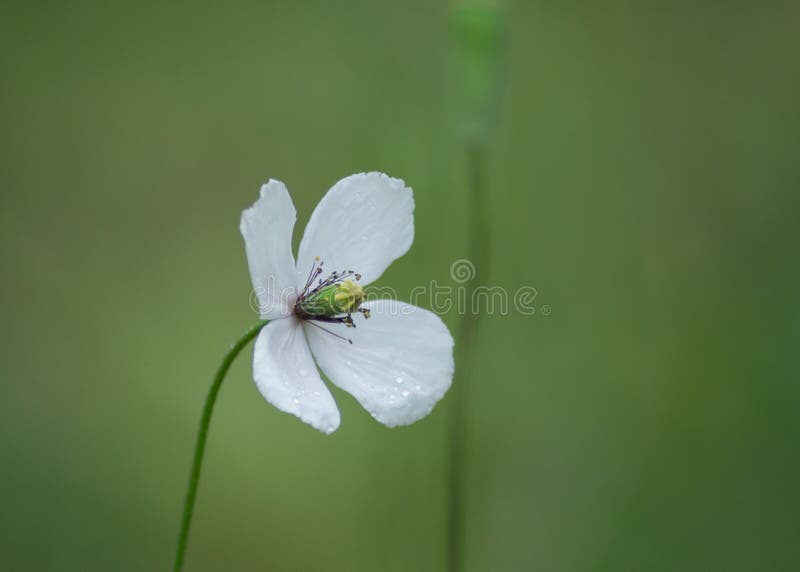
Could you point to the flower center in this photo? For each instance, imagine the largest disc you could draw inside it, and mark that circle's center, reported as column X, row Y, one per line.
column 333, row 299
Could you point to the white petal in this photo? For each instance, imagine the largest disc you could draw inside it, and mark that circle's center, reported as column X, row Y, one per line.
column 362, row 224
column 287, row 377
column 267, row 230
column 399, row 364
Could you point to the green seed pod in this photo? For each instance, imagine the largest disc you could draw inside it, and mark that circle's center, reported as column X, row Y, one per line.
column 334, row 300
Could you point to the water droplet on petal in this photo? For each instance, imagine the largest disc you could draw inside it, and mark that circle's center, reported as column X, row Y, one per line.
column 406, row 393
column 303, row 372
column 295, row 400
column 417, row 388
column 398, row 379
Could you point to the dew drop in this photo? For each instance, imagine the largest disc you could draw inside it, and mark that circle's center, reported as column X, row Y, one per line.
column 406, row 393
column 295, row 400
column 303, row 372
column 417, row 388
column 398, row 379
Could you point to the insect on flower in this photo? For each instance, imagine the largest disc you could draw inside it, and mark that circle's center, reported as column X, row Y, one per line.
column 394, row 358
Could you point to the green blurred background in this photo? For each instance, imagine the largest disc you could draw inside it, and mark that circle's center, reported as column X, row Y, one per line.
column 643, row 177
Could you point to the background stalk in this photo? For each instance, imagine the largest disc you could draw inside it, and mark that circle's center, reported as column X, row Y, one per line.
column 459, row 427
column 480, row 37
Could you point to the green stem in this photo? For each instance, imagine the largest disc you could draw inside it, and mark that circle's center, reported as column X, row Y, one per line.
column 480, row 35
column 202, row 434
column 478, row 250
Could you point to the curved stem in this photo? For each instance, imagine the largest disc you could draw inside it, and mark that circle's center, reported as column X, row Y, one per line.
column 202, row 434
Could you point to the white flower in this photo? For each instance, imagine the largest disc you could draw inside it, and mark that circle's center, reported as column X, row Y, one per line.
column 398, row 363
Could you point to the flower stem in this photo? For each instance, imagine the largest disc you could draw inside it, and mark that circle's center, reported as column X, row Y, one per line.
column 202, row 434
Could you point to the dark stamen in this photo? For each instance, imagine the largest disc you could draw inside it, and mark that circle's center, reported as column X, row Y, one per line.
column 327, row 331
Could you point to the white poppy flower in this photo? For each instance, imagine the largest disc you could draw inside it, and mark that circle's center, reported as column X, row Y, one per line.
column 394, row 358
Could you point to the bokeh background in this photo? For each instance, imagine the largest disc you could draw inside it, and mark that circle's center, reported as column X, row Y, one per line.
column 643, row 177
